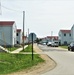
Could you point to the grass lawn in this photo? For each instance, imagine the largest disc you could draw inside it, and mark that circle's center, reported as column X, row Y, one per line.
column 14, row 62
column 27, row 49
column 12, row 48
column 66, row 47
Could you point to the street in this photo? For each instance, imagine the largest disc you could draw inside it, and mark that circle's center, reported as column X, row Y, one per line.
column 63, row 58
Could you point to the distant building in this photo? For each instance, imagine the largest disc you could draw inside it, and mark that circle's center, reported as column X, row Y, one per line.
column 19, row 36
column 72, row 33
column 65, row 37
column 7, row 33
column 25, row 38
column 52, row 38
column 44, row 40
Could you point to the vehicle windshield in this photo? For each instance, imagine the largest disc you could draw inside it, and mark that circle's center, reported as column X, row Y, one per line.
column 56, row 42
column 72, row 44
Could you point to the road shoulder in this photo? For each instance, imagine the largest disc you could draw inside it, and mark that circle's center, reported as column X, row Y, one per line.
column 41, row 68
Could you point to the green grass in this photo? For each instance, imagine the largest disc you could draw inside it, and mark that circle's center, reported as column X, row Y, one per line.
column 27, row 49
column 15, row 62
column 66, row 47
column 12, row 48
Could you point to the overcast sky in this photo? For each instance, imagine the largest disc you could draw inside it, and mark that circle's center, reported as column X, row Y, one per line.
column 41, row 16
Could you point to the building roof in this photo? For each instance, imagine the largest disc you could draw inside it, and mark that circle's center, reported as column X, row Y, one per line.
column 24, row 37
column 65, row 31
column 54, row 37
column 18, row 30
column 6, row 23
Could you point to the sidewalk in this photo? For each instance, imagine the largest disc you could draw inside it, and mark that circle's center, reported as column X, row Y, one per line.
column 18, row 50
column 35, row 52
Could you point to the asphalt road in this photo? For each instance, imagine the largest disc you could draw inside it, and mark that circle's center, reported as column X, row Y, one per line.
column 63, row 58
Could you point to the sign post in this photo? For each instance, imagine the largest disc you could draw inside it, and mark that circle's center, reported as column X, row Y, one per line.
column 32, row 38
column 32, row 46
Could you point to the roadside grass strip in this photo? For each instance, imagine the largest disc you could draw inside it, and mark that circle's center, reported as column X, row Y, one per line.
column 65, row 47
column 14, row 62
column 27, row 49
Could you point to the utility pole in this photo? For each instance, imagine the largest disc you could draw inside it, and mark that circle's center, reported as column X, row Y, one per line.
column 32, row 46
column 51, row 36
column 23, row 27
column 28, row 36
column 0, row 8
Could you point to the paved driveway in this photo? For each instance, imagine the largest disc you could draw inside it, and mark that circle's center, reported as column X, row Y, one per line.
column 63, row 58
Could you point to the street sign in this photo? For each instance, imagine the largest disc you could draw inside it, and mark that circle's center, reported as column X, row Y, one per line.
column 30, row 37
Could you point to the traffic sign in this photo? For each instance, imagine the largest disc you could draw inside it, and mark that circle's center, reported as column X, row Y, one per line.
column 30, row 37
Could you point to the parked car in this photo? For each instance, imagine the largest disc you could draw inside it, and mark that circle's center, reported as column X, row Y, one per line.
column 54, row 44
column 71, row 47
column 43, row 43
column 49, row 43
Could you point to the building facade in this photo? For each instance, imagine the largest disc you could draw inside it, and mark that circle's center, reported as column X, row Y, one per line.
column 7, row 33
column 72, row 33
column 52, row 38
column 65, row 37
column 19, row 36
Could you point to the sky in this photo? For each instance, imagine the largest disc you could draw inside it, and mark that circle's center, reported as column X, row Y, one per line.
column 43, row 17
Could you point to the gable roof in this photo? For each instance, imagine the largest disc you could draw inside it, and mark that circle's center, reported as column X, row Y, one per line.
column 24, row 37
column 65, row 31
column 54, row 37
column 6, row 23
column 18, row 30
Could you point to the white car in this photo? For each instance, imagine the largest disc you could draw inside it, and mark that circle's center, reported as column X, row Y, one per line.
column 43, row 43
column 54, row 44
column 49, row 43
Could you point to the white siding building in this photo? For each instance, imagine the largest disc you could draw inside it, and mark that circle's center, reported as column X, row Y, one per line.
column 7, row 33
column 19, row 36
column 52, row 38
column 65, row 37
column 72, row 33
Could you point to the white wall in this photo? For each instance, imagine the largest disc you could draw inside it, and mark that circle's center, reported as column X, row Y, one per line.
column 72, row 32
column 14, row 32
column 5, row 35
column 19, row 37
column 63, row 38
column 8, row 35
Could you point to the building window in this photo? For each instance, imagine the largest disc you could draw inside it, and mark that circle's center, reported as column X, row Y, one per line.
column 65, row 42
column 17, row 34
column 64, row 34
column 69, row 34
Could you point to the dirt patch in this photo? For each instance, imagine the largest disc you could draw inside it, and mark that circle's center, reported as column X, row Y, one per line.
column 49, row 64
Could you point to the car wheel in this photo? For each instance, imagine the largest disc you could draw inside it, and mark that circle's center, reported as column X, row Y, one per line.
column 72, row 50
column 68, row 49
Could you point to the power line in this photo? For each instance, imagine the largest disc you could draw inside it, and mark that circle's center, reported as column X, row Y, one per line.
column 0, row 9
column 11, row 9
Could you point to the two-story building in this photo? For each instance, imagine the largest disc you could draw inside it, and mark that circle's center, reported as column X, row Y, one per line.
column 8, row 33
column 19, row 36
column 65, row 37
column 72, row 33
